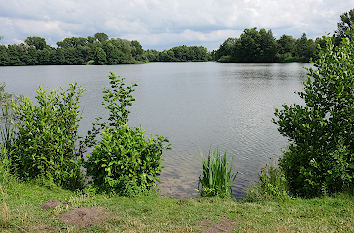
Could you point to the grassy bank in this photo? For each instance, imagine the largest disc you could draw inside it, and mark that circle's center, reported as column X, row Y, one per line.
column 20, row 211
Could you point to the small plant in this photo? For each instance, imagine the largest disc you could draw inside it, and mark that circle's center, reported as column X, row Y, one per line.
column 7, row 131
column 124, row 162
column 217, row 178
column 44, row 147
column 271, row 185
column 4, row 209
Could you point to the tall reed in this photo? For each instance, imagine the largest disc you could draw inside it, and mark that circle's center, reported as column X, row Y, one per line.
column 217, row 177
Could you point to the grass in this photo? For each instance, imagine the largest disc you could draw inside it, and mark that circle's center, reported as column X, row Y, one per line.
column 153, row 213
column 217, row 177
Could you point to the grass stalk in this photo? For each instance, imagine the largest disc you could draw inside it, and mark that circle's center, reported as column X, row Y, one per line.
column 217, row 177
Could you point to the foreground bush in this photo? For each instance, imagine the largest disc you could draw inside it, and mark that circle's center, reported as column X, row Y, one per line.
column 217, row 178
column 320, row 159
column 124, row 162
column 44, row 144
column 271, row 185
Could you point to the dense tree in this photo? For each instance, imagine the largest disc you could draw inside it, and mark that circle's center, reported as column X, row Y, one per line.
column 38, row 42
column 101, row 37
column 304, row 48
column 346, row 21
column 73, row 42
column 100, row 56
column 183, row 53
column 4, row 57
column 319, row 159
column 261, row 46
column 137, row 50
column 268, row 46
column 286, row 44
column 225, row 48
column 151, row 55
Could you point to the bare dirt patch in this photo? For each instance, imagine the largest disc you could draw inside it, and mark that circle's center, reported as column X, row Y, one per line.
column 84, row 216
column 52, row 204
column 225, row 225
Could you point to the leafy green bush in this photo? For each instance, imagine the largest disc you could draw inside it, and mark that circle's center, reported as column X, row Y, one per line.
column 271, row 185
column 319, row 158
column 217, row 177
column 44, row 147
column 124, row 161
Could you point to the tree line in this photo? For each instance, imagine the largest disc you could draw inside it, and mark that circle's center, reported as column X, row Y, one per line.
column 252, row 46
column 97, row 49
column 261, row 46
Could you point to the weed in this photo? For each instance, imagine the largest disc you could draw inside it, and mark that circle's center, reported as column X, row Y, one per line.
column 217, row 178
column 271, row 185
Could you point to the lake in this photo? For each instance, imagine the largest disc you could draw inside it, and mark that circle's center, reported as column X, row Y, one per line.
column 199, row 106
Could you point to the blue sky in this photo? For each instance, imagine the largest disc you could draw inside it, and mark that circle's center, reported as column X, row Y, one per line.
column 162, row 24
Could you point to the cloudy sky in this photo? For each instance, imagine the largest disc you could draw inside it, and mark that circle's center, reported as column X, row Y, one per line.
column 161, row 24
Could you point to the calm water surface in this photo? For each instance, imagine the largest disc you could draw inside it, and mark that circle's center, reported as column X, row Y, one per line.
column 197, row 105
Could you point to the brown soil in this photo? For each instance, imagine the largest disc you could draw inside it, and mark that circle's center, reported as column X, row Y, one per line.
column 225, row 225
column 52, row 204
column 84, row 216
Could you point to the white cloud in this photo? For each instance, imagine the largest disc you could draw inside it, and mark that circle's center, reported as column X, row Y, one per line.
column 163, row 23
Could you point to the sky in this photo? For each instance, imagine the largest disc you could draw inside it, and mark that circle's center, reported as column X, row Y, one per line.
column 162, row 24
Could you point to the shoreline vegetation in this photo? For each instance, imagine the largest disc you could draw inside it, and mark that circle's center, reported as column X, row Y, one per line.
column 42, row 159
column 252, row 46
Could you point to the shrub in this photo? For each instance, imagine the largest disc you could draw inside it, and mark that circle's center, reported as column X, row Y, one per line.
column 124, row 162
column 319, row 158
column 217, row 177
column 44, row 147
column 271, row 185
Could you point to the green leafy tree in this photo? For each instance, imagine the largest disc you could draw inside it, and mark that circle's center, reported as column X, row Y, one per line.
column 101, row 37
column 100, row 57
column 304, row 48
column 44, row 147
column 137, row 49
column 38, row 42
column 124, row 162
column 73, row 42
column 4, row 57
column 347, row 21
column 268, row 46
column 151, row 55
column 225, row 49
column 320, row 158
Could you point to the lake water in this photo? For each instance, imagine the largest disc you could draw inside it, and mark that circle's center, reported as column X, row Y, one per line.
column 199, row 106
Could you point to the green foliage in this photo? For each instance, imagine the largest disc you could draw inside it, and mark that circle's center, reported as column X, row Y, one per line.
column 73, row 51
column 124, row 162
column 178, row 54
column 100, row 56
column 319, row 159
column 346, row 22
column 217, row 177
column 261, row 46
column 44, row 147
column 101, row 37
column 6, row 116
column 271, row 185
column 38, row 42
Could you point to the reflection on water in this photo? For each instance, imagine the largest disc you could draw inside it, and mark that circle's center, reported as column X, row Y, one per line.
column 197, row 105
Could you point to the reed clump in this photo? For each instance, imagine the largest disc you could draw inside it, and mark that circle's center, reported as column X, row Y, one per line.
column 217, row 177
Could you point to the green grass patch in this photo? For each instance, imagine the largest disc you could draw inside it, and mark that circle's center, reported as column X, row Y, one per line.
column 153, row 213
